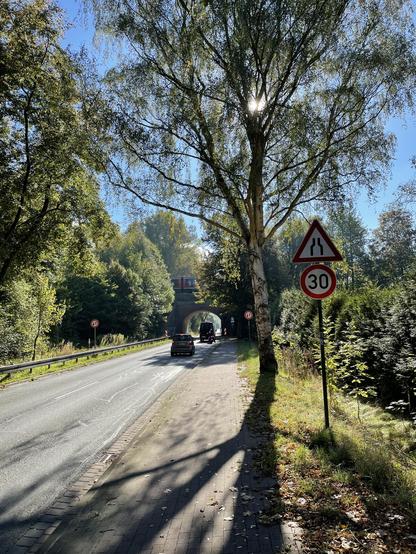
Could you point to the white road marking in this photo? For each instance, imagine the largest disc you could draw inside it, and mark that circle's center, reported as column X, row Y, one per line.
column 119, row 392
column 75, row 390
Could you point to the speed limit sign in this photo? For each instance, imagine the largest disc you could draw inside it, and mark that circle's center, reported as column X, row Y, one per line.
column 318, row 281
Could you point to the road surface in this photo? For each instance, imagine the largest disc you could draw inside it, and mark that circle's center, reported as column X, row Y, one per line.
column 53, row 428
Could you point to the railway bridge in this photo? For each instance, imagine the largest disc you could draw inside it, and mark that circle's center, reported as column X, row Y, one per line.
column 186, row 306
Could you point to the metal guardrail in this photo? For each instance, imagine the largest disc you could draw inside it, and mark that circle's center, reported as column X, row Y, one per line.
column 49, row 361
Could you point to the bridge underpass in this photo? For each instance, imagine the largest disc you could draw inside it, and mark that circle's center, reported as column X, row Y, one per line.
column 186, row 307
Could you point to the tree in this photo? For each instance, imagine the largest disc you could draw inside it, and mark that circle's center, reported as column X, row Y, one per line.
column 174, row 240
column 287, row 242
column 130, row 293
column 237, row 112
column 348, row 231
column 28, row 311
column 47, row 187
column 223, row 277
column 393, row 245
column 47, row 311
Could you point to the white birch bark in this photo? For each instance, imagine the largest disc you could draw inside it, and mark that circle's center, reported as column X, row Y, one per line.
column 261, row 309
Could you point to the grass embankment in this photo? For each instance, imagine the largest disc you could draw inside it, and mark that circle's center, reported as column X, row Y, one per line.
column 39, row 371
column 351, row 488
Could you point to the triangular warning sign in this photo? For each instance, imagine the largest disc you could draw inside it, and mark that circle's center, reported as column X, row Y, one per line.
column 316, row 246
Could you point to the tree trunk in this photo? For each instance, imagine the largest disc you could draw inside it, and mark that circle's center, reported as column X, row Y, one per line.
column 268, row 361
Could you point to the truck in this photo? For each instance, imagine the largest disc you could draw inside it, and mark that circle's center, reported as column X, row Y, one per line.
column 206, row 330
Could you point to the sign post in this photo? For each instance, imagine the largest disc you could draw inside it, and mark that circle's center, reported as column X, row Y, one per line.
column 318, row 281
column 248, row 314
column 323, row 364
column 94, row 323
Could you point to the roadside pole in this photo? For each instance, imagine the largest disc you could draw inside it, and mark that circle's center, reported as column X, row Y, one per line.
column 94, row 323
column 323, row 365
column 248, row 315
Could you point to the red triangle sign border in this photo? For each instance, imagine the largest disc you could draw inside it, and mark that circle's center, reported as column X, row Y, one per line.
column 335, row 257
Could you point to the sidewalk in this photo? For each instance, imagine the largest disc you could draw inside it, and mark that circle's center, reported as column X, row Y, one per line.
column 185, row 484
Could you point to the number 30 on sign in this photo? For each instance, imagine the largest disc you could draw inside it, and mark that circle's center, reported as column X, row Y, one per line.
column 318, row 281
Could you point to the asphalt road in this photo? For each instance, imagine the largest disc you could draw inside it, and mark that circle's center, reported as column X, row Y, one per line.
column 53, row 428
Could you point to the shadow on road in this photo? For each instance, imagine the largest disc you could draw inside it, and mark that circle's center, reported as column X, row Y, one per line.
column 186, row 505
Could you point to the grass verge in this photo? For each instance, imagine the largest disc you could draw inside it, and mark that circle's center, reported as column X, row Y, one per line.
column 351, row 488
column 39, row 371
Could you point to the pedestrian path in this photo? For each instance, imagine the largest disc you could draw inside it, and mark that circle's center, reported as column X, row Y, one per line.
column 186, row 484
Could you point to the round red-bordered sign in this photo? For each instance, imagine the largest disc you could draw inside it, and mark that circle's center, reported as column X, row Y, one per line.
column 94, row 323
column 318, row 281
column 248, row 314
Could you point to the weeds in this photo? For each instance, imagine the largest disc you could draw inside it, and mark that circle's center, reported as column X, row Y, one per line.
column 356, row 473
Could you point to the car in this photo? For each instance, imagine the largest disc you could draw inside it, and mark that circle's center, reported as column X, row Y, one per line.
column 182, row 344
column 206, row 330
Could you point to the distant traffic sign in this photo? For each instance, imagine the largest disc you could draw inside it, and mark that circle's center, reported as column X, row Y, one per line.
column 248, row 314
column 316, row 246
column 94, row 323
column 318, row 281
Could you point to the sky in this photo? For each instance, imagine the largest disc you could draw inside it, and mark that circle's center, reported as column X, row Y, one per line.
column 81, row 33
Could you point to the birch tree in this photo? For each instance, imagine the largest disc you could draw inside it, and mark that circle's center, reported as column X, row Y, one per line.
column 239, row 112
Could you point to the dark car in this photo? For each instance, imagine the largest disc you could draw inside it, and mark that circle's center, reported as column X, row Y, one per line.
column 182, row 344
column 206, row 330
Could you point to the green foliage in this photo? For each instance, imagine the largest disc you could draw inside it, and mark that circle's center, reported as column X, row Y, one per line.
column 332, row 357
column 296, row 317
column 352, row 373
column 177, row 243
column 393, row 246
column 131, row 294
column 349, row 234
column 48, row 195
column 28, row 311
column 369, row 338
column 398, row 346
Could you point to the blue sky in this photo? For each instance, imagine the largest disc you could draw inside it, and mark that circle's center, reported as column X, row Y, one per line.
column 81, row 33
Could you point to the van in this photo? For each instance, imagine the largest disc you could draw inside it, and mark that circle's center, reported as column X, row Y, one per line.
column 206, row 330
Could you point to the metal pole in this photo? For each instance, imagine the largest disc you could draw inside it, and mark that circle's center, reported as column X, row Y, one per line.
column 249, row 333
column 322, row 344
column 95, row 337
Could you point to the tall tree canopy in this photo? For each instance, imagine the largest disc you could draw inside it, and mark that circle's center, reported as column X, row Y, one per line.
column 238, row 111
column 393, row 246
column 346, row 228
column 175, row 241
column 47, row 192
